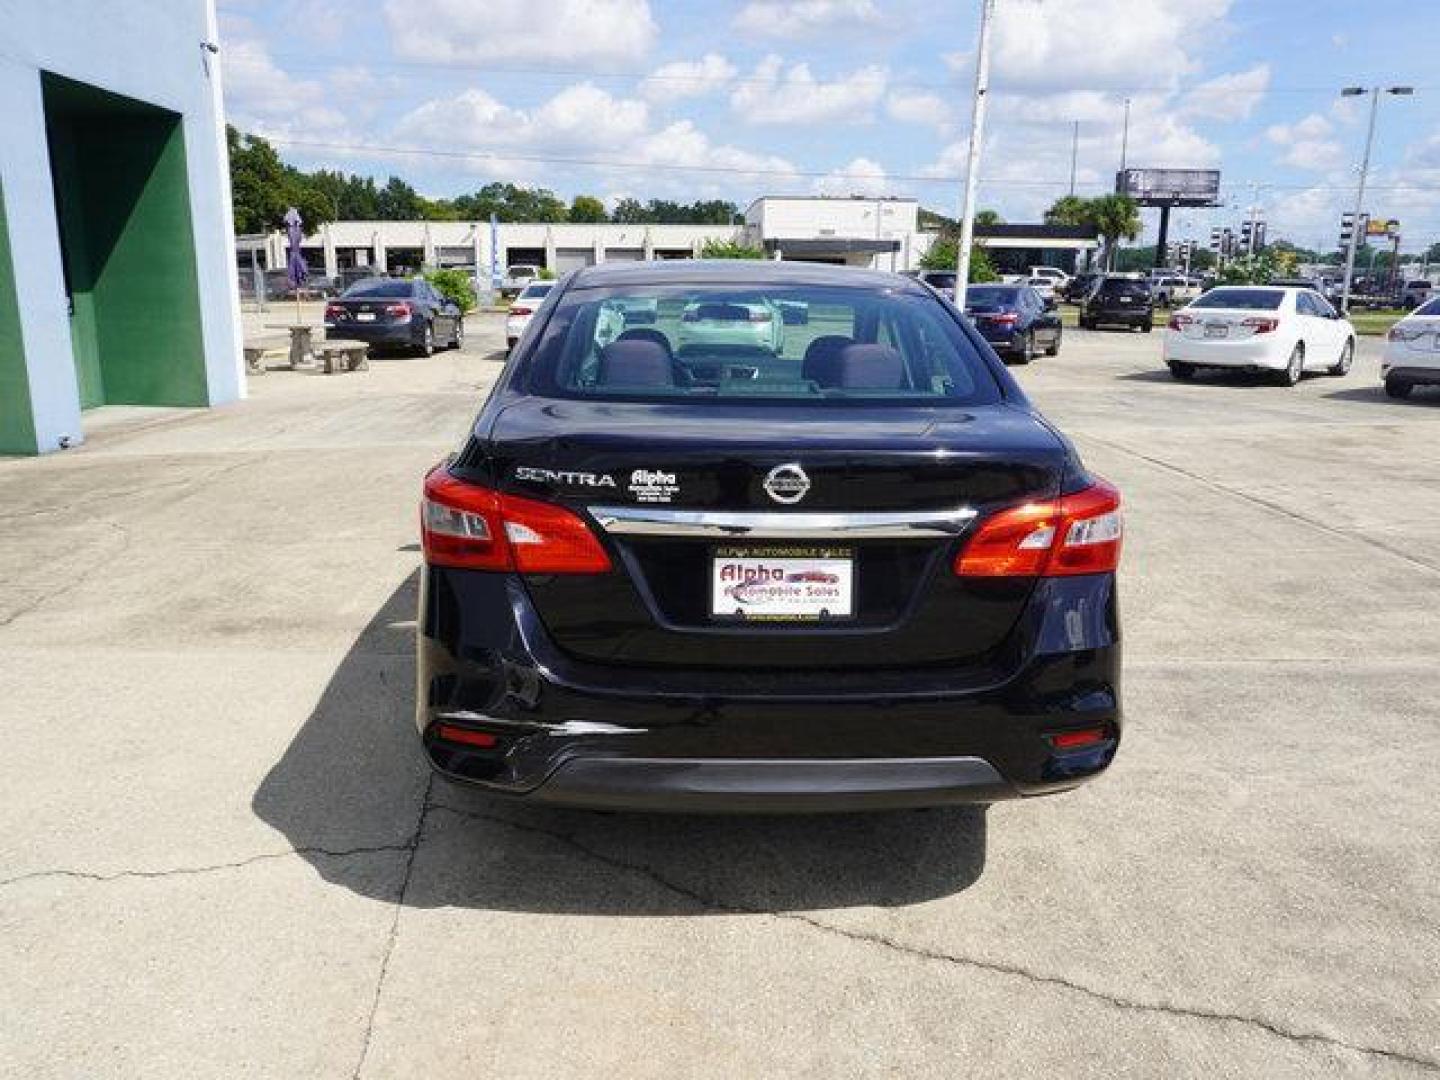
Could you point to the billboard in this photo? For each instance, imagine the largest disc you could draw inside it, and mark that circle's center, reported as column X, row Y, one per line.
column 1381, row 227
column 1170, row 187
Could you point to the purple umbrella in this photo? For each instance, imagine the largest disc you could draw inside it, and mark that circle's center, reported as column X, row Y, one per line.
column 297, row 273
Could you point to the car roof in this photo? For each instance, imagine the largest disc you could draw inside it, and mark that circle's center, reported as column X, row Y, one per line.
column 735, row 272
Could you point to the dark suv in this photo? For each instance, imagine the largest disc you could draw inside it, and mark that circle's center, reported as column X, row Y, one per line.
column 1118, row 301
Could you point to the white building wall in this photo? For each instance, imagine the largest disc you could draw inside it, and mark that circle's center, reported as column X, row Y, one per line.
column 149, row 50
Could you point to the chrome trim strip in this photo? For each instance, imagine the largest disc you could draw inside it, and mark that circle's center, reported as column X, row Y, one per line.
column 870, row 525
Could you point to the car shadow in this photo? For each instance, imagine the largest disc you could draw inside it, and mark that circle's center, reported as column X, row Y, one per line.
column 1232, row 379
column 353, row 780
column 1375, row 395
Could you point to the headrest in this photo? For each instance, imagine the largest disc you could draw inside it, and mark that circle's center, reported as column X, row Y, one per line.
column 635, row 362
column 822, row 359
column 870, row 367
column 645, row 334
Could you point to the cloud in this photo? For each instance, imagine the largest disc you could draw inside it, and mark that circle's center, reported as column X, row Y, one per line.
column 684, row 78
column 1228, row 97
column 918, row 107
column 600, row 32
column 804, row 18
column 262, row 98
column 682, row 143
column 797, row 97
column 578, row 118
column 1307, row 143
column 861, row 177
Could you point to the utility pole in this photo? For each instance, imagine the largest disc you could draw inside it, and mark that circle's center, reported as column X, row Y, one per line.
column 1254, row 215
column 1374, row 92
column 1074, row 152
column 1125, row 136
column 972, row 166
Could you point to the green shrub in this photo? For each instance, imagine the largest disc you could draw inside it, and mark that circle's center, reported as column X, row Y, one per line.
column 729, row 249
column 455, row 286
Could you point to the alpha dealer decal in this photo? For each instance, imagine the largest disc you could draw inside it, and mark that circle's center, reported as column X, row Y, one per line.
column 652, row 485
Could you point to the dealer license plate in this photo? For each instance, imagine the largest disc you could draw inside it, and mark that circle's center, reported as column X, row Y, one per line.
column 1216, row 330
column 782, row 583
column 365, row 316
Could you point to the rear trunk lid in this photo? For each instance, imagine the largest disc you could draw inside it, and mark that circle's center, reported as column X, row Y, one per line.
column 877, row 499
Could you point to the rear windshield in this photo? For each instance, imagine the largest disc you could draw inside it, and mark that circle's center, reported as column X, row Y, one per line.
column 794, row 344
column 535, row 292
column 1112, row 287
column 379, row 288
column 1246, row 299
column 1430, row 307
column 989, row 294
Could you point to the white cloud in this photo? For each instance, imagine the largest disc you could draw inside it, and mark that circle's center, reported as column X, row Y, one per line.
column 797, row 97
column 1307, row 143
column 262, row 98
column 861, row 177
column 804, row 18
column 918, row 107
column 685, row 78
column 1228, row 97
column 601, row 32
column 682, row 143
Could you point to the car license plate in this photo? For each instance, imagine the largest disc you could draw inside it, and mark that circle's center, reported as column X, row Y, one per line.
column 1216, row 330
column 365, row 316
column 1125, row 300
column 782, row 583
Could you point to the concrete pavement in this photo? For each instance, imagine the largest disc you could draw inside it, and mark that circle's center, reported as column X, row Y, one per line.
column 220, row 854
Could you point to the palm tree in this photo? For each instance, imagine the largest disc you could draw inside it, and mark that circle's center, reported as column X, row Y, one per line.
column 1115, row 217
column 1068, row 210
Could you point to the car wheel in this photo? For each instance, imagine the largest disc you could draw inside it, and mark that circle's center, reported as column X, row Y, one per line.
column 1146, row 326
column 1026, row 352
column 1347, row 357
column 1182, row 372
column 458, row 340
column 1054, row 347
column 427, row 340
column 1397, row 389
column 1294, row 367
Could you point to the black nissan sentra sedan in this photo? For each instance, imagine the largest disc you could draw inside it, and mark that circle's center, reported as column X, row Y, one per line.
column 836, row 562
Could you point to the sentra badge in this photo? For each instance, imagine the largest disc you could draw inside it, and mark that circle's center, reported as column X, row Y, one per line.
column 562, row 476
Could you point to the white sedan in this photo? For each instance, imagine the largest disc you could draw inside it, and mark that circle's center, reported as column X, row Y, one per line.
column 1270, row 328
column 1412, row 351
column 523, row 308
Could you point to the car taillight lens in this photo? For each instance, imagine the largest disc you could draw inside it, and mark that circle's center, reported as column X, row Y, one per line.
column 1075, row 534
column 1401, row 332
column 1179, row 322
column 472, row 527
column 1260, row 325
column 400, row 311
column 522, row 311
column 333, row 312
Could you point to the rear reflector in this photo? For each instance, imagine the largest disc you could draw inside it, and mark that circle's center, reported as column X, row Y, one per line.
column 1075, row 534
column 474, row 528
column 1074, row 740
column 482, row 739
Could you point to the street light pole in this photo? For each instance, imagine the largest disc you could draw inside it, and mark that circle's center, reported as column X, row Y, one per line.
column 1074, row 152
column 1374, row 92
column 972, row 165
column 1125, row 136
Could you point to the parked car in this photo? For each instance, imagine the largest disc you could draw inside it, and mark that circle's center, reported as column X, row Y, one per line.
column 731, row 322
column 523, row 308
column 1415, row 292
column 580, row 639
column 518, row 276
column 1412, row 351
column 1053, row 274
column 1267, row 328
column 1170, row 291
column 942, row 281
column 1043, row 285
column 396, row 313
column 1076, row 288
column 1015, row 320
column 1118, row 300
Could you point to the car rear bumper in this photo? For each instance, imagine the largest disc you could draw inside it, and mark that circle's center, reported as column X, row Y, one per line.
column 1414, row 375
column 1121, row 316
column 373, row 333
column 1250, row 353
column 583, row 734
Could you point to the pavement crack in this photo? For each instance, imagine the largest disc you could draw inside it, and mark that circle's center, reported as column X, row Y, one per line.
column 210, row 868
column 412, row 846
column 916, row 952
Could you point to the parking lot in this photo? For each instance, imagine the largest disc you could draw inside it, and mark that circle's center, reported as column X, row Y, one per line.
column 222, row 854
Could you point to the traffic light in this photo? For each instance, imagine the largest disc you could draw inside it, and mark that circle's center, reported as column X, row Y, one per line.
column 1215, row 239
column 1348, row 227
column 1246, row 235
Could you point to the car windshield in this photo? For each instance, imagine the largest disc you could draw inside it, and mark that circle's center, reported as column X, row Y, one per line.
column 535, row 292
column 989, row 294
column 379, row 288
column 1244, row 299
column 795, row 344
column 1113, row 287
column 1430, row 307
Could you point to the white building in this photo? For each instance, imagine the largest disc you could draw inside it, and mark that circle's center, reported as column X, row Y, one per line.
column 881, row 234
column 116, row 283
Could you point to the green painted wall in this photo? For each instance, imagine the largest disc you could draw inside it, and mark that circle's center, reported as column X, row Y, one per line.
column 123, row 201
column 17, row 424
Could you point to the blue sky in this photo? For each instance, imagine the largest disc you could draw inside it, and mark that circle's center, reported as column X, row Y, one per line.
column 690, row 99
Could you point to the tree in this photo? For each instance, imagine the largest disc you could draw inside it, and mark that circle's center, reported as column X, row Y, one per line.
column 988, row 217
column 944, row 254
column 1069, row 210
column 455, row 286
column 587, row 208
column 629, row 212
column 397, row 201
column 1116, row 218
column 257, row 182
column 729, row 249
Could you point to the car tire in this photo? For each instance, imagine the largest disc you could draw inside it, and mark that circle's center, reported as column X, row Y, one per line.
column 1146, row 326
column 1347, row 357
column 1026, row 352
column 1182, row 372
column 1294, row 367
column 427, row 340
column 1397, row 389
column 1053, row 349
column 457, row 340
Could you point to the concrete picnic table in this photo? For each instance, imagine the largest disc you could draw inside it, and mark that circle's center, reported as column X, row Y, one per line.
column 301, row 344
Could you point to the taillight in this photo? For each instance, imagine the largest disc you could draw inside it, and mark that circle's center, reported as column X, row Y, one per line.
column 1179, row 322
column 759, row 316
column 522, row 311
column 1401, row 332
column 472, row 527
column 399, row 311
column 1007, row 318
column 1075, row 534
column 1260, row 324
column 334, row 312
